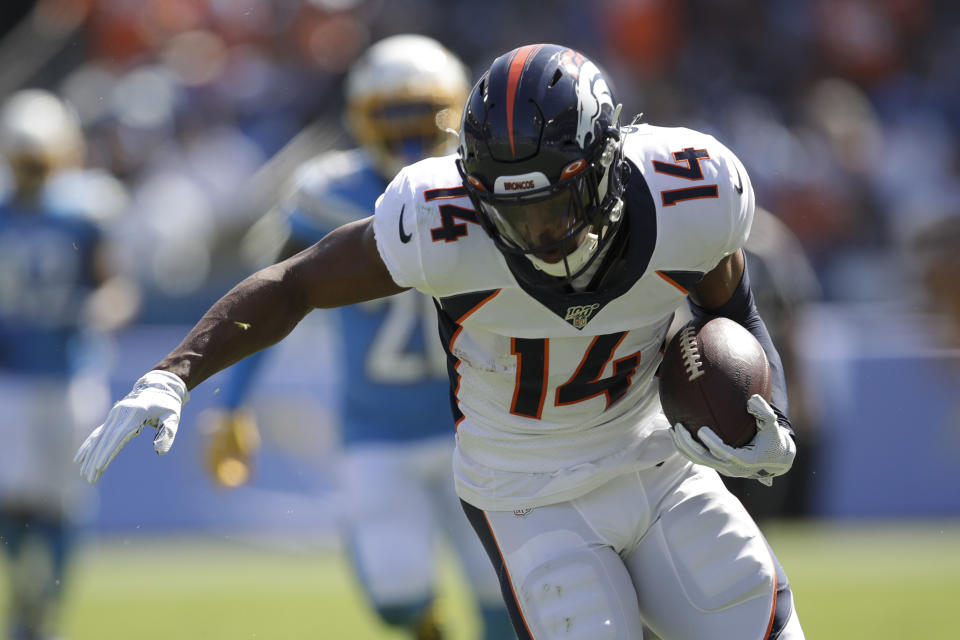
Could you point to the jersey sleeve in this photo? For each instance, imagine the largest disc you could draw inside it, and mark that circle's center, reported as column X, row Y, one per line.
column 396, row 228
column 702, row 193
column 719, row 226
column 741, row 201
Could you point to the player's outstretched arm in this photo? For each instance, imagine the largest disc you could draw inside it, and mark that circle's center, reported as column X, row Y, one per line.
column 343, row 268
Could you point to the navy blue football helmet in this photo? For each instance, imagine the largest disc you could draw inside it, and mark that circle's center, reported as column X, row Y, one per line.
column 540, row 156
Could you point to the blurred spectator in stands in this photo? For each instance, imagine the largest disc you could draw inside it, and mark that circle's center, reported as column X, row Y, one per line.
column 185, row 101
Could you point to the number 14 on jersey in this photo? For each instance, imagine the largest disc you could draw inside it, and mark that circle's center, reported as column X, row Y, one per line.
column 533, row 359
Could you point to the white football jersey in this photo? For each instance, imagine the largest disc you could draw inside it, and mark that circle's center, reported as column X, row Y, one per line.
column 553, row 394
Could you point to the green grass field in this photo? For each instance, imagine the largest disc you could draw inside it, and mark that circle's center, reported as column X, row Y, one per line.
column 874, row 580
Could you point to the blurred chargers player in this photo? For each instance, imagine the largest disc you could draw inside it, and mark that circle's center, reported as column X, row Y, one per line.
column 55, row 290
column 558, row 245
column 401, row 95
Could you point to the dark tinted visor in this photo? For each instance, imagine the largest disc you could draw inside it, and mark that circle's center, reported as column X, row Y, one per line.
column 539, row 221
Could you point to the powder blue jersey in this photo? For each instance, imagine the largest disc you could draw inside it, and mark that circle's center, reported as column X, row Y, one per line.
column 394, row 380
column 46, row 273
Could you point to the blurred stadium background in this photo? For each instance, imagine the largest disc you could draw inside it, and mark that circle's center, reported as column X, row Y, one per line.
column 846, row 113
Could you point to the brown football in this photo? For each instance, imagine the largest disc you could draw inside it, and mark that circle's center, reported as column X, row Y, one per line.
column 709, row 370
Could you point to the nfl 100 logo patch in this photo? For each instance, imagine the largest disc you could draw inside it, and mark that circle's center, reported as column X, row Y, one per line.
column 579, row 315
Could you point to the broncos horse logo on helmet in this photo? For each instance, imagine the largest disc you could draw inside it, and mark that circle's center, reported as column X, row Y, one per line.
column 540, row 156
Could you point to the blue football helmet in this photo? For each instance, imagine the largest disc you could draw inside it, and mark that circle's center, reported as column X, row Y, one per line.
column 540, row 155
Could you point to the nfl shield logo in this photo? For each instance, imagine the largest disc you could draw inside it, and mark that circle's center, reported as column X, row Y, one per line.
column 579, row 315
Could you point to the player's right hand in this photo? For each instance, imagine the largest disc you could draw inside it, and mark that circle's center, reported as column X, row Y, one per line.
column 156, row 401
column 769, row 454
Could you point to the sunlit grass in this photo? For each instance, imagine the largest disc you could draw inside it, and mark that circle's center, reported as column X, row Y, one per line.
column 870, row 580
column 873, row 579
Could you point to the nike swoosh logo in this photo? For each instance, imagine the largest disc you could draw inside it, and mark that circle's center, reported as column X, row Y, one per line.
column 404, row 236
column 739, row 186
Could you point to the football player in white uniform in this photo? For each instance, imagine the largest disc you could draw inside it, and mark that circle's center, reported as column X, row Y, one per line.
column 557, row 245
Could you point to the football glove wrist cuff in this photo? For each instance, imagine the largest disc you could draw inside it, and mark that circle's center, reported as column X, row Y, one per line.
column 171, row 382
column 783, row 420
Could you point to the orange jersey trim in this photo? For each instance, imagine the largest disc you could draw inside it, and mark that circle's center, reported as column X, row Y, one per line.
column 672, row 282
column 472, row 310
column 773, row 608
column 453, row 339
column 503, row 563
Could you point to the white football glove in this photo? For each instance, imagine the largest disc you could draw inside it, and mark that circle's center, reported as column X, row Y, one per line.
column 156, row 400
column 768, row 455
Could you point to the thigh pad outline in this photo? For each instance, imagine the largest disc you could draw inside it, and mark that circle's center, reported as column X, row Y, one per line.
column 582, row 595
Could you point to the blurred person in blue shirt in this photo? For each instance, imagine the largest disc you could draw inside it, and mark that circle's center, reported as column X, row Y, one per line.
column 56, row 297
column 403, row 96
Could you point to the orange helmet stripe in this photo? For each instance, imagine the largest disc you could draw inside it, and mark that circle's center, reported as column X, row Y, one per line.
column 519, row 60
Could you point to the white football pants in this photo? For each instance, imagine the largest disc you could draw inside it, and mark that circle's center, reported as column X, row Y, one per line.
column 667, row 547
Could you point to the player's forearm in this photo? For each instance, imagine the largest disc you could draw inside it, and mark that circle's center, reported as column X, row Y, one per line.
column 240, row 381
column 343, row 268
column 255, row 314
